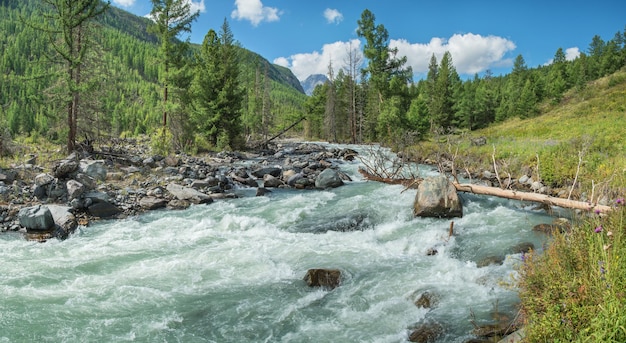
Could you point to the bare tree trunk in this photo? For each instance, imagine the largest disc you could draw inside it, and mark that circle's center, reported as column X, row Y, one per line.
column 526, row 196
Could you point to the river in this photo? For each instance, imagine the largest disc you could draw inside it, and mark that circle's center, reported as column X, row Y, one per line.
column 232, row 271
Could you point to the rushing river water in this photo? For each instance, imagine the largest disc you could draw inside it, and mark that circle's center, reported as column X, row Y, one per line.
column 232, row 271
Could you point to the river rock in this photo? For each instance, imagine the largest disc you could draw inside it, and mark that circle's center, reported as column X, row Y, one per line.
column 74, row 189
column 177, row 204
column 7, row 176
column 427, row 300
column 36, row 217
column 64, row 220
column 437, row 197
column 103, row 209
column 261, row 172
column 328, row 178
column 87, row 181
column 94, row 169
column 64, row 167
column 489, row 260
column 43, row 179
column 524, row 247
column 427, row 332
column 328, row 278
column 262, row 191
column 189, row 194
column 270, row 181
column 152, row 203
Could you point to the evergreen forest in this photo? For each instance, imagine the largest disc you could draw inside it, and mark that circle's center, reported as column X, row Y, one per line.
column 112, row 74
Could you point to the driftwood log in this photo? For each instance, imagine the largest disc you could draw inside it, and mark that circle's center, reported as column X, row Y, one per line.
column 527, row 196
column 497, row 192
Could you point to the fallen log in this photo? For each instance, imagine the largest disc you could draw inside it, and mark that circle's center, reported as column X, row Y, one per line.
column 526, row 196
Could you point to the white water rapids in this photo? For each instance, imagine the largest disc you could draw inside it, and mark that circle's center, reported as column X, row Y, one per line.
column 232, row 271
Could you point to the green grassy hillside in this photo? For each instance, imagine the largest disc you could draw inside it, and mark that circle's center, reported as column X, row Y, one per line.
column 584, row 133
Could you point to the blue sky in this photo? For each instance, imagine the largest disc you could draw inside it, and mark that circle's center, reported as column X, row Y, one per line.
column 304, row 35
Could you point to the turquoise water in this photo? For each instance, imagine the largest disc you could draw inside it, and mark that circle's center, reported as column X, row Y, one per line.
column 232, row 271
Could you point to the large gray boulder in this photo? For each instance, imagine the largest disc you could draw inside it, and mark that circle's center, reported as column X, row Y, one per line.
column 36, row 218
column 437, row 197
column 99, row 204
column 64, row 220
column 189, row 194
column 329, row 178
column 95, row 169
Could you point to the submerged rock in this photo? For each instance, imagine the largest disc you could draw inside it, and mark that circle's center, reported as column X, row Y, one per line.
column 329, row 278
column 427, row 332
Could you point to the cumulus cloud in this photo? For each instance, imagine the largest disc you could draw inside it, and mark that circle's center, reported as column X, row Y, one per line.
column 471, row 53
column 333, row 16
column 572, row 53
column 305, row 64
column 254, row 11
column 124, row 3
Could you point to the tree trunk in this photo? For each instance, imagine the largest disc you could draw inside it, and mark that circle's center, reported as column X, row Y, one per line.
column 526, row 196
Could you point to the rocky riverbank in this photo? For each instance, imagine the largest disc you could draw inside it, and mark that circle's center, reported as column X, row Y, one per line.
column 125, row 179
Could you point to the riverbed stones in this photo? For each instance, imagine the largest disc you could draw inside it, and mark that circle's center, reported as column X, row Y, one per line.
column 327, row 278
column 437, row 197
column 328, row 178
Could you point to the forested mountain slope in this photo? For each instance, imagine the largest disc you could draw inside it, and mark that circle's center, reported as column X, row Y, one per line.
column 123, row 75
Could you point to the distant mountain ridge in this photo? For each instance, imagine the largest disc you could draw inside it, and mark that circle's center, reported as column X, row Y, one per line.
column 313, row 81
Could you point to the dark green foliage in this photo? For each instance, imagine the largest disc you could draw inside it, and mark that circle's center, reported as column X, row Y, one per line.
column 216, row 93
column 126, row 98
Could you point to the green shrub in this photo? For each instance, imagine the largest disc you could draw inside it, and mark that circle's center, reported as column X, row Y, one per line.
column 575, row 290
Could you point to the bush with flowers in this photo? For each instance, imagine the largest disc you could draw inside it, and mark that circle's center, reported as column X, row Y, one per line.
column 575, row 290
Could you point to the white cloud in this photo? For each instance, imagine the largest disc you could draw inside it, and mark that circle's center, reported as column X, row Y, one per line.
column 471, row 53
column 333, row 16
column 254, row 11
column 305, row 64
column 197, row 6
column 124, row 3
column 572, row 53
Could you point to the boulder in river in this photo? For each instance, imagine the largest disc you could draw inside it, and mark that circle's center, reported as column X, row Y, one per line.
column 329, row 278
column 36, row 217
column 437, row 197
column 329, row 178
column 427, row 332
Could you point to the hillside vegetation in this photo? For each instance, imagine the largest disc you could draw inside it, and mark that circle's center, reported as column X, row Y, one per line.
column 121, row 87
column 580, row 138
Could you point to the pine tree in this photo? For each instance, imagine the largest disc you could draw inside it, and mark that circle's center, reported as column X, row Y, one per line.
column 68, row 34
column 171, row 18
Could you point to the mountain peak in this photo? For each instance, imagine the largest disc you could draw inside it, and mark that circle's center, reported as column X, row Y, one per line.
column 312, row 81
